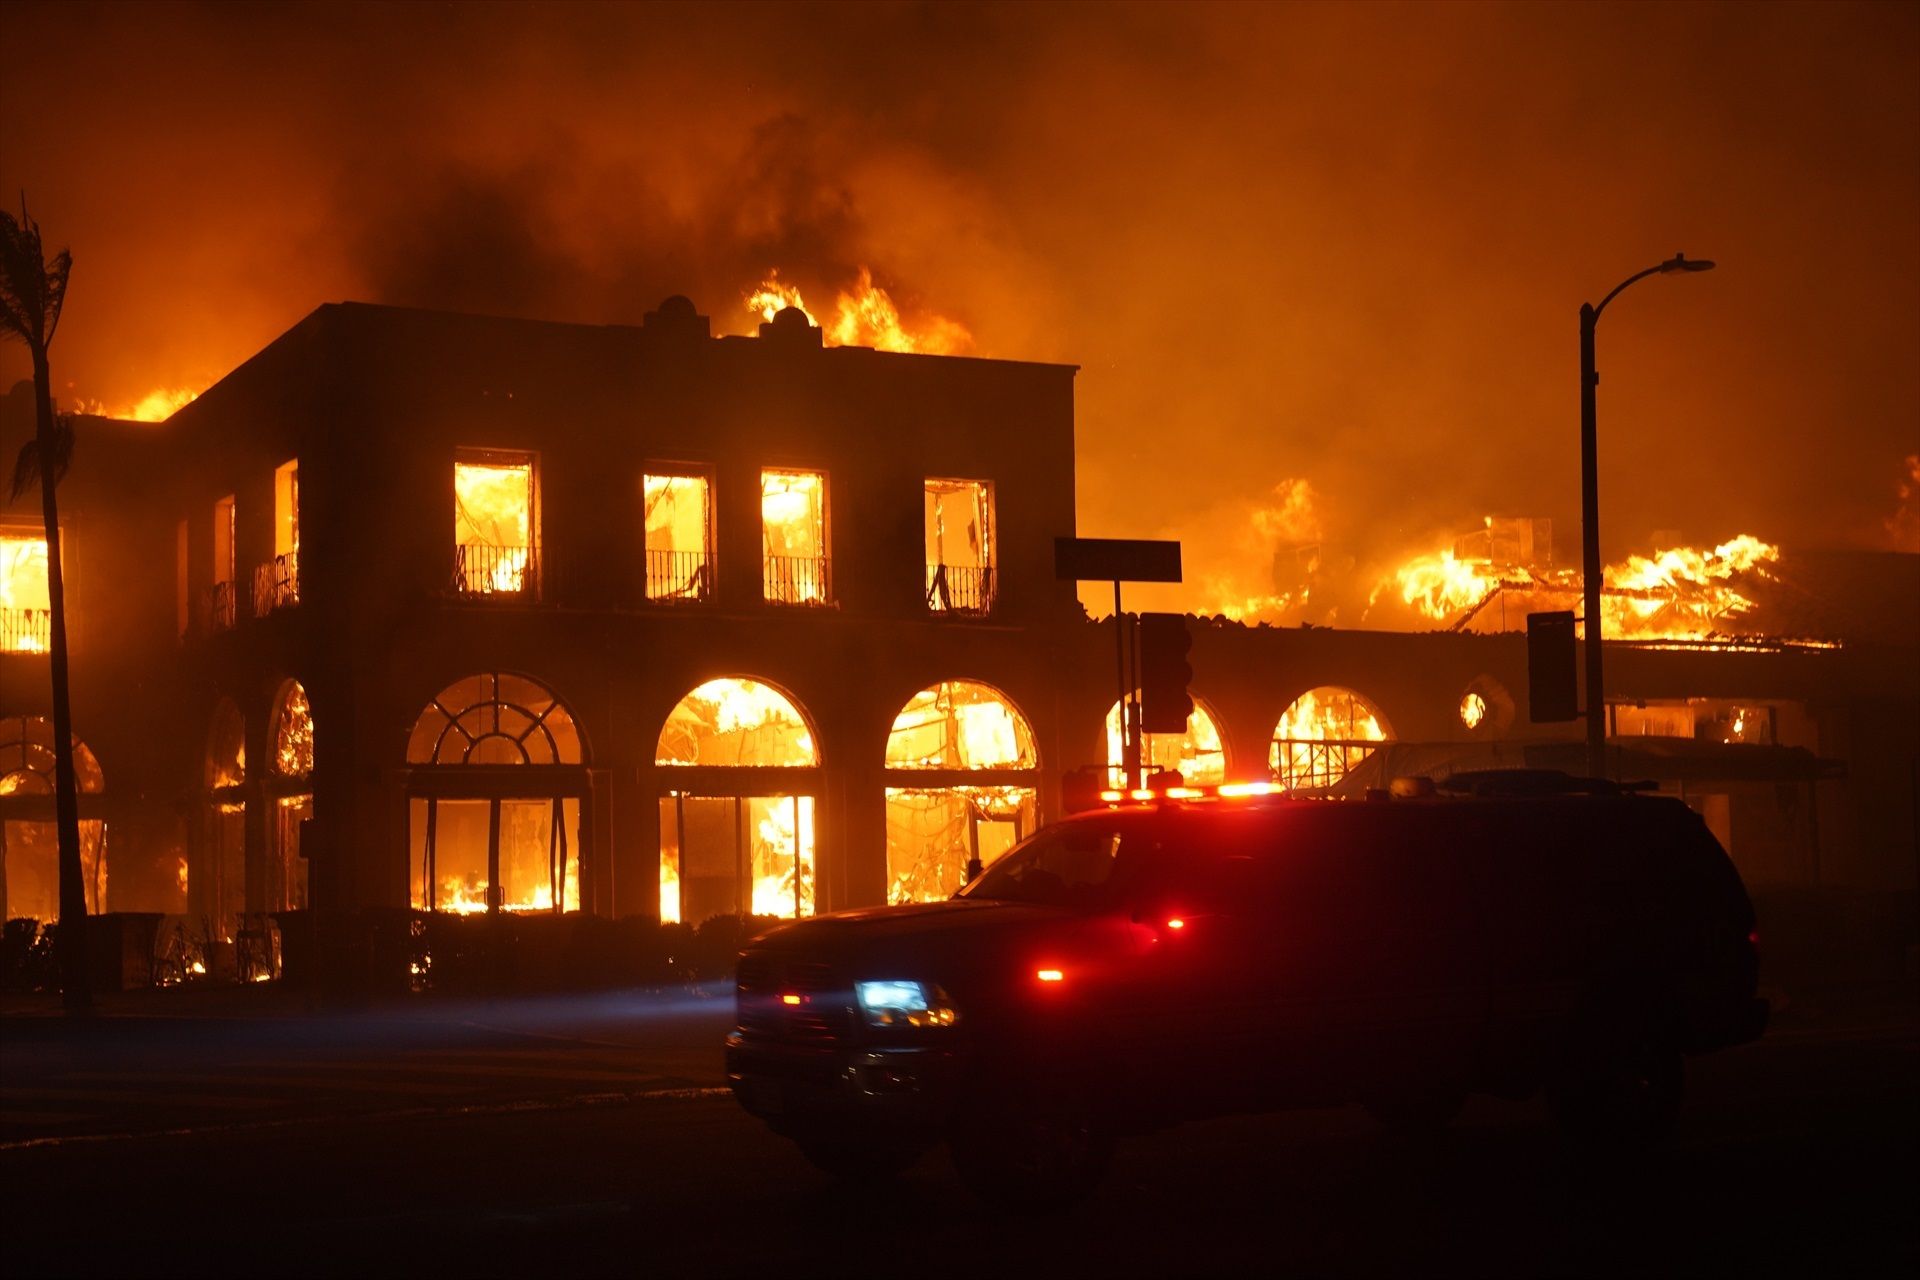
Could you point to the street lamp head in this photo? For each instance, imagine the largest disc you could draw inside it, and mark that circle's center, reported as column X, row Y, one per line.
column 1680, row 262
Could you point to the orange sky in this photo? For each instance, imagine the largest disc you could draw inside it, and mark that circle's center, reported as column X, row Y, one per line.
column 1340, row 244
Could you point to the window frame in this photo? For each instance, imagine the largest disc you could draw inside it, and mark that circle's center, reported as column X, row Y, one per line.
column 711, row 534
column 534, row 587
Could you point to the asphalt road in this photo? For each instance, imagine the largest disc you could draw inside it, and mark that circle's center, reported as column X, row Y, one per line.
column 586, row 1138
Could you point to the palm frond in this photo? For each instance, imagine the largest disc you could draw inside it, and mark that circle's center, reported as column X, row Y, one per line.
column 28, row 467
column 32, row 290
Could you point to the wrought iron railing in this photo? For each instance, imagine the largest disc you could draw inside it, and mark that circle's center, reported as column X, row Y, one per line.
column 1314, row 762
column 26, row 630
column 276, row 584
column 803, row 580
column 962, row 589
column 480, row 570
column 222, row 606
column 685, row 576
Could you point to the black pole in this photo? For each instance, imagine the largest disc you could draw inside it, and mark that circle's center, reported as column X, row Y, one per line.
column 1590, row 545
column 1120, row 681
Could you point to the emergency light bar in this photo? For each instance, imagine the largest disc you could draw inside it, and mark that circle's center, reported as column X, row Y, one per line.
column 1227, row 790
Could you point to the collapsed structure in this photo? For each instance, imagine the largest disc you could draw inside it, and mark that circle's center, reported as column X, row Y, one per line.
column 467, row 614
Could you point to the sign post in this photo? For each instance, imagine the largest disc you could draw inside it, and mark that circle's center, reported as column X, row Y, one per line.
column 1119, row 560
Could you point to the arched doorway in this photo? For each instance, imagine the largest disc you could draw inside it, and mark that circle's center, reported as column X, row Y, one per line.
column 1322, row 736
column 217, row 887
column 962, row 778
column 29, row 838
column 737, row 813
column 495, row 782
column 290, row 789
column 1198, row 755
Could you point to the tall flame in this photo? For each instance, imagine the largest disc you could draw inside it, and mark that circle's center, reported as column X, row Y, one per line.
column 864, row 316
column 1677, row 593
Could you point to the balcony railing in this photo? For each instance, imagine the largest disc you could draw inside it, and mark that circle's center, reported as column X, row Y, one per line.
column 276, row 584
column 679, row 576
column 26, row 630
column 221, row 606
column 802, row 580
column 496, row 571
column 962, row 589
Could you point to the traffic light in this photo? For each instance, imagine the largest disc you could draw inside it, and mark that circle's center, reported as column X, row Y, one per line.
column 1164, row 672
column 1552, row 673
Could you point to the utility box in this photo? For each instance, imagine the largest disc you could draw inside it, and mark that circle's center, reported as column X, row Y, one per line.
column 1553, row 675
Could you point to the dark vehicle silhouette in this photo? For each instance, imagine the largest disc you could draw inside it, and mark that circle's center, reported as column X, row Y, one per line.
column 1136, row 967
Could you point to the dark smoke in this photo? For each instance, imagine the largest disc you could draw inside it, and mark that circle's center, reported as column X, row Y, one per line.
column 1340, row 244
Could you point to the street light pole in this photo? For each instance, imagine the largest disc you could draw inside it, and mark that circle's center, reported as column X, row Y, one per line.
column 1590, row 507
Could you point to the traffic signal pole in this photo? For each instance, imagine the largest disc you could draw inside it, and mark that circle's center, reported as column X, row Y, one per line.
column 1129, row 736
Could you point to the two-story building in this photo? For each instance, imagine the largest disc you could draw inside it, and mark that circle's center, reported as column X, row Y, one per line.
column 457, row 613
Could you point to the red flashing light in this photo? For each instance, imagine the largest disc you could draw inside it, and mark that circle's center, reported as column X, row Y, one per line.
column 1176, row 923
column 1754, row 937
column 1225, row 790
column 1050, row 975
column 789, row 999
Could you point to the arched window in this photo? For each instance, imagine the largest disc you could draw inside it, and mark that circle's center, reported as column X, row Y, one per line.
column 735, row 723
column 733, row 841
column 495, row 798
column 291, row 762
column 29, row 838
column 961, row 787
column 1198, row 755
column 495, row 718
column 292, row 732
column 1322, row 736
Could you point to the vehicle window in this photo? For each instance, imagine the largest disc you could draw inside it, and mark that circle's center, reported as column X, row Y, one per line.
column 1067, row 866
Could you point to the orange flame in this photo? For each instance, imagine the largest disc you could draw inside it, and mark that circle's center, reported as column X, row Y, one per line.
column 156, row 406
column 865, row 316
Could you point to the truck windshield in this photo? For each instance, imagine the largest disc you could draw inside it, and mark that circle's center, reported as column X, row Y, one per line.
column 1065, row 866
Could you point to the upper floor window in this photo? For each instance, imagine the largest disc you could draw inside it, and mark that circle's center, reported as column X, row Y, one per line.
column 960, row 551
column 793, row 524
column 286, row 508
column 679, row 531
column 223, row 539
column 276, row 584
column 221, row 603
column 26, row 620
column 496, row 524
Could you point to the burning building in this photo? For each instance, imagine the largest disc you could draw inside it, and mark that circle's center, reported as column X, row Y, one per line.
column 419, row 610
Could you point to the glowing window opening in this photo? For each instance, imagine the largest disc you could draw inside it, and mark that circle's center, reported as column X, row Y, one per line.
column 482, row 850
column 736, row 723
column 793, row 531
column 1199, row 755
column 960, row 724
column 935, row 833
column 959, row 546
column 496, row 532
column 292, row 732
column 679, row 535
column 495, row 718
column 1322, row 736
column 29, row 837
column 736, row 855
column 26, row 618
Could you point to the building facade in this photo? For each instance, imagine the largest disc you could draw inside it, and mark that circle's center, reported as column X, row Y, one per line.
column 467, row 614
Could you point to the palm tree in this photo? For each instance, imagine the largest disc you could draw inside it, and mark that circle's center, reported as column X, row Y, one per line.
column 31, row 293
